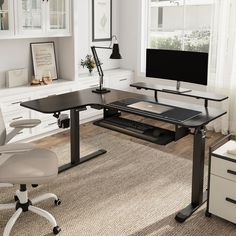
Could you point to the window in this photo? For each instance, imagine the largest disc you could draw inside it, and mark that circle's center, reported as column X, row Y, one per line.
column 179, row 24
column 176, row 25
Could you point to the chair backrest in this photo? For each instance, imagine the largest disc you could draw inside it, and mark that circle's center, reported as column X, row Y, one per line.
column 2, row 130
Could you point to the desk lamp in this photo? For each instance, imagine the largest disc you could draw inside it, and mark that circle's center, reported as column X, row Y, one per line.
column 115, row 55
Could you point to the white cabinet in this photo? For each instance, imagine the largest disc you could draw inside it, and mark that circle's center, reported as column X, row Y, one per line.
column 35, row 18
column 42, row 17
column 30, row 15
column 222, row 183
column 6, row 18
column 120, row 79
column 12, row 111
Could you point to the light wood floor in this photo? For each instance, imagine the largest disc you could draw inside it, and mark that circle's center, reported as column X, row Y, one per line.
column 182, row 147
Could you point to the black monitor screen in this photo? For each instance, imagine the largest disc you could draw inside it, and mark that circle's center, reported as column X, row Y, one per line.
column 183, row 66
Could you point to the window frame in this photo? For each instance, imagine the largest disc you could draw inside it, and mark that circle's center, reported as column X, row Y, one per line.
column 145, row 31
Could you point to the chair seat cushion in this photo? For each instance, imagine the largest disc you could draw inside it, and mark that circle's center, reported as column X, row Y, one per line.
column 36, row 166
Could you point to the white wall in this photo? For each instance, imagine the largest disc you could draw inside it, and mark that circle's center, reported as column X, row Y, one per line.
column 15, row 54
column 85, row 35
column 130, row 25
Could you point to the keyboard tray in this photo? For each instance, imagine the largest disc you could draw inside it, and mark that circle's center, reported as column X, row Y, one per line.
column 152, row 134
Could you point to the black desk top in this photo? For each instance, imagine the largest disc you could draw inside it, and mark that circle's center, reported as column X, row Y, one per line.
column 86, row 97
column 192, row 93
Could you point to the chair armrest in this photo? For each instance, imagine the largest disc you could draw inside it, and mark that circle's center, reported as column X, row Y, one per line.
column 26, row 123
column 16, row 148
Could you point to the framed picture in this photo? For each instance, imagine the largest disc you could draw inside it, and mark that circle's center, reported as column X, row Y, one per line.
column 44, row 60
column 101, row 20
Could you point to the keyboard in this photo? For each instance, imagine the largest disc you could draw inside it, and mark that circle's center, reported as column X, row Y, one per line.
column 138, row 130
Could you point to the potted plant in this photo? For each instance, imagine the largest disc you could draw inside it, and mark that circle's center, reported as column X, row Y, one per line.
column 89, row 63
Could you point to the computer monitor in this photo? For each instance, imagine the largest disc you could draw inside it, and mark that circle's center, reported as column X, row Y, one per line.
column 191, row 67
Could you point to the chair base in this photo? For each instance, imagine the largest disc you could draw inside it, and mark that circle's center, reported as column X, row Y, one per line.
column 24, row 204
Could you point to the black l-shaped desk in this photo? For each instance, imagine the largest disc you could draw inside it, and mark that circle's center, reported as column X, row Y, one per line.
column 79, row 100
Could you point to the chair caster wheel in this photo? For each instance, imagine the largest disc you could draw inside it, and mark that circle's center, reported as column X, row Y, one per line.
column 57, row 202
column 16, row 198
column 207, row 214
column 56, row 230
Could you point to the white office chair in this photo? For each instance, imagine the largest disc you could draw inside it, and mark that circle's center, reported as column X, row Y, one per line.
column 17, row 127
column 21, row 164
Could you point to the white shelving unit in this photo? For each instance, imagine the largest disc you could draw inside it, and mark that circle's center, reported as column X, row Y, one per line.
column 35, row 18
column 6, row 19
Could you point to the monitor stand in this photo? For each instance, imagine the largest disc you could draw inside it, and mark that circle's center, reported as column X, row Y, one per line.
column 177, row 90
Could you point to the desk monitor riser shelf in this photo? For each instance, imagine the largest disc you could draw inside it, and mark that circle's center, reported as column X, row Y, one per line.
column 79, row 100
column 206, row 96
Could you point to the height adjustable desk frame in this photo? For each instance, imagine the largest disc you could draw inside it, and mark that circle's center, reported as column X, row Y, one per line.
column 79, row 100
column 198, row 196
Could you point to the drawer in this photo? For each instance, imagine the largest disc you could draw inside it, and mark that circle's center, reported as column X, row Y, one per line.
column 223, row 168
column 13, row 103
column 220, row 190
column 120, row 82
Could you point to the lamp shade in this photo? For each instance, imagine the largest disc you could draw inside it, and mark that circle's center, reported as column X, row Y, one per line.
column 115, row 52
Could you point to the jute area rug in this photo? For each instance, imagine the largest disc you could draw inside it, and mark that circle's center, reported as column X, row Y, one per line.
column 133, row 190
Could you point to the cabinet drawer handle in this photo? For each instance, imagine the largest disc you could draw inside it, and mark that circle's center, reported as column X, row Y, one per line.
column 93, row 86
column 50, row 124
column 17, row 118
column 123, row 79
column 230, row 200
column 14, row 103
column 21, row 132
column 231, row 172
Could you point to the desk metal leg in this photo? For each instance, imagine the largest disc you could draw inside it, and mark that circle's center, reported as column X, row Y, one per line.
column 198, row 197
column 75, row 143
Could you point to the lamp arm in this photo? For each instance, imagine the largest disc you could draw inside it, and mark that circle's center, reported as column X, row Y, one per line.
column 97, row 62
column 98, row 65
column 99, row 68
